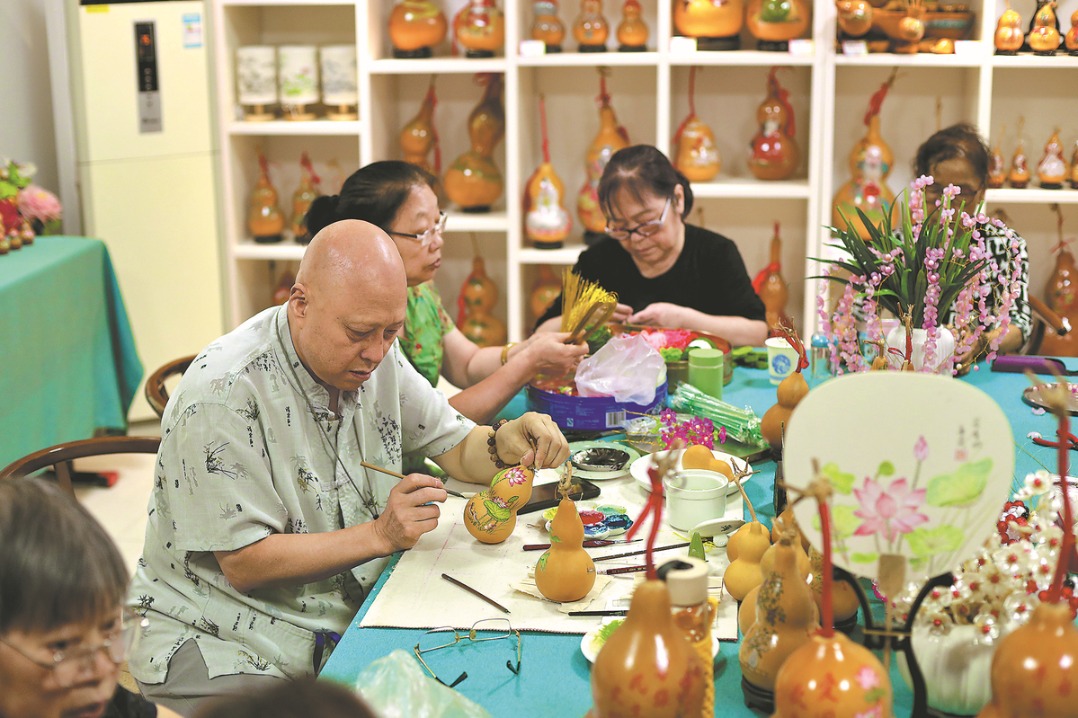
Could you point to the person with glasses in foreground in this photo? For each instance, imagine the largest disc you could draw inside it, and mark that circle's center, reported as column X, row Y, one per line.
column 665, row 272
column 958, row 155
column 63, row 632
column 399, row 197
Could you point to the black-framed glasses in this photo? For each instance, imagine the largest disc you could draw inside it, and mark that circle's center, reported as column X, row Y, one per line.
column 646, row 229
column 425, row 238
column 446, row 636
column 67, row 664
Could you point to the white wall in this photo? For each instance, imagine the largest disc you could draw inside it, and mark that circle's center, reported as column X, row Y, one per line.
column 26, row 126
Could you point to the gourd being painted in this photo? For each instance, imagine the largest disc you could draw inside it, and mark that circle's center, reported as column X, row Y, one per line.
column 491, row 515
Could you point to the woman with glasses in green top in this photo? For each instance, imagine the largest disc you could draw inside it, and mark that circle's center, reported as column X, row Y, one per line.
column 665, row 272
column 399, row 197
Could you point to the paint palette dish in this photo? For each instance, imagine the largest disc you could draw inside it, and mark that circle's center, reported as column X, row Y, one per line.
column 602, row 521
column 601, row 460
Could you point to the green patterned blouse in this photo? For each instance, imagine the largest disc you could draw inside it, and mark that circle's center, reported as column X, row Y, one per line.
column 425, row 325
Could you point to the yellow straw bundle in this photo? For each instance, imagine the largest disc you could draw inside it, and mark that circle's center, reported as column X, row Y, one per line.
column 578, row 295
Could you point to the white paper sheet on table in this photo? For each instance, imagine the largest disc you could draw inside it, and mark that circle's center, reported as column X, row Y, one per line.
column 416, row 595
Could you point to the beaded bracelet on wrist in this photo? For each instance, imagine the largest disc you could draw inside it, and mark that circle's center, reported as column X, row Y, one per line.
column 492, row 443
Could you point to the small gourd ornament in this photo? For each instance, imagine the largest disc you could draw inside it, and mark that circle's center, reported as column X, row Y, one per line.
column 416, row 26
column 1044, row 37
column 478, row 296
column 1009, row 36
column 565, row 572
column 491, row 515
column 305, row 194
column 829, row 672
column 632, row 31
column 871, row 161
column 546, row 289
column 1018, row 176
column 546, row 221
column 473, row 181
column 610, row 138
column 1035, row 666
column 265, row 220
column 480, row 28
column 647, row 667
column 1071, row 39
column 547, row 27
column 772, row 288
column 1052, row 169
column 419, row 136
column 775, row 22
column 746, row 612
column 997, row 166
column 789, row 394
column 745, row 550
column 854, row 17
column 844, row 600
column 696, row 155
column 590, row 28
column 1061, row 295
column 716, row 24
column 773, row 152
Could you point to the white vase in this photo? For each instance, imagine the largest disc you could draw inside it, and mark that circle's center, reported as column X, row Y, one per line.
column 956, row 669
column 256, row 74
column 943, row 361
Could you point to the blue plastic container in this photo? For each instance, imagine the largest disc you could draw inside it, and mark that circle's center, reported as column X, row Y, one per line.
column 588, row 413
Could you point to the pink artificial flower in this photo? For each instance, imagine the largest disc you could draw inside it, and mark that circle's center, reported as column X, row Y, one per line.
column 892, row 511
column 867, row 678
column 40, row 204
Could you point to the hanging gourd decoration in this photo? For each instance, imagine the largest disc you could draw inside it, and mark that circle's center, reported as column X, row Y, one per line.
column 746, row 612
column 772, row 288
column 1061, row 294
column 854, row 17
column 829, row 669
column 773, row 153
column 1052, row 169
column 775, row 22
column 696, row 155
column 745, row 550
column 789, row 394
column 1044, row 38
column 611, row 138
column 419, row 136
column 997, row 166
column 565, row 572
column 305, row 194
column 1009, row 36
column 480, row 28
column 786, row 617
column 415, row 26
column 590, row 29
column 478, row 296
column 1035, row 666
column 870, row 162
column 265, row 221
column 473, row 181
column 546, row 289
column 1018, row 176
column 716, row 24
column 491, row 515
column 1071, row 40
column 648, row 651
column 632, row 30
column 546, row 221
column 547, row 27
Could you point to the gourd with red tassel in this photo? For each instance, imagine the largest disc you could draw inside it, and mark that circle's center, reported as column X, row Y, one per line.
column 265, row 220
column 546, row 221
column 473, row 181
column 772, row 289
column 773, row 152
column 478, row 297
column 480, row 28
column 1062, row 297
column 302, row 198
column 610, row 138
column 419, row 136
column 696, row 155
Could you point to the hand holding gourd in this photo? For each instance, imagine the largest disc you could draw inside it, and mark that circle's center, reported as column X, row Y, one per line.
column 532, row 440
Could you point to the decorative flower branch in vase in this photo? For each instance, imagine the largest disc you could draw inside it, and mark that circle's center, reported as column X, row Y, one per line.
column 934, row 264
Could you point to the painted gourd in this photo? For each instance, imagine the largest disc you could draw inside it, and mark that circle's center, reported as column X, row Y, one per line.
column 834, row 672
column 418, row 137
column 744, row 572
column 1009, row 36
column 473, row 181
column 491, row 515
column 565, row 572
column 746, row 612
column 632, row 31
column 415, row 26
column 480, row 28
column 790, row 392
column 265, row 221
column 1052, row 168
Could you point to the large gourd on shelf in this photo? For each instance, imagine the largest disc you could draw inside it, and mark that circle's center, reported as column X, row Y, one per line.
column 265, row 221
column 478, row 296
column 715, row 23
column 870, row 162
column 415, row 27
column 611, row 138
column 473, row 181
column 775, row 22
column 546, row 221
column 773, row 153
column 305, row 194
column 419, row 136
column 547, row 27
column 480, row 28
column 696, row 155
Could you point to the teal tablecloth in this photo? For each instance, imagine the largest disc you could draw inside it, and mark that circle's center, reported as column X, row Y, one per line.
column 555, row 676
column 69, row 364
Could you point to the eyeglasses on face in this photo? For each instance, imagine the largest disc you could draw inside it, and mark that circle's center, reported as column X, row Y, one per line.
column 67, row 664
column 646, row 229
column 934, row 191
column 447, row 636
column 425, row 238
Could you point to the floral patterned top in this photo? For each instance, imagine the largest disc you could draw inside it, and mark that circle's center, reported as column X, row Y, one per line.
column 425, row 325
column 250, row 448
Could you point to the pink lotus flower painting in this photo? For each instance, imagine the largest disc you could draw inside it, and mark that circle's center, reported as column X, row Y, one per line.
column 891, row 510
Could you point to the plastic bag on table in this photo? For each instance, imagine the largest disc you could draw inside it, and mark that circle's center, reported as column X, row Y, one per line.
column 397, row 687
column 626, row 368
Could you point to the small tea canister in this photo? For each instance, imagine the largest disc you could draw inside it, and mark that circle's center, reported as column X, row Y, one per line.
column 706, row 370
column 821, row 359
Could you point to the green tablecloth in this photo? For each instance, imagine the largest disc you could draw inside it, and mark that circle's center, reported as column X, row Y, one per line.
column 69, row 363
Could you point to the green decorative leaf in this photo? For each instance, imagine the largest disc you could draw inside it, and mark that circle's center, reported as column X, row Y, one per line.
column 886, row 469
column 840, row 481
column 843, row 522
column 926, row 542
column 865, row 557
column 496, row 512
column 961, row 488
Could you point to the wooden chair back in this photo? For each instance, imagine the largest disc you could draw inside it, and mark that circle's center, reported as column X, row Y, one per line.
column 61, row 456
column 156, row 388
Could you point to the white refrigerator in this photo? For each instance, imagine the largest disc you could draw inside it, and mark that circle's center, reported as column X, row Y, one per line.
column 141, row 113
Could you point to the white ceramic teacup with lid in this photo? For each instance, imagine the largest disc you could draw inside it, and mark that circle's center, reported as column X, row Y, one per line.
column 694, row 496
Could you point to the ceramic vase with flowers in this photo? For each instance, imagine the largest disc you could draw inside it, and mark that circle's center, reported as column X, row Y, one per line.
column 931, row 262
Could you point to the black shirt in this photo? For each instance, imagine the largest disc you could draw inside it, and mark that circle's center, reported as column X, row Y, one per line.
column 125, row 704
column 708, row 276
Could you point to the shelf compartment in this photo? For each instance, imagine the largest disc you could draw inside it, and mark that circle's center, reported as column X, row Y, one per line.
column 437, row 66
column 921, row 59
column 1037, row 62
column 744, row 58
column 282, row 128
column 1031, row 195
column 590, row 59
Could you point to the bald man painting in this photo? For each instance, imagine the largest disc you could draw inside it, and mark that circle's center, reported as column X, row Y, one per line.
column 265, row 533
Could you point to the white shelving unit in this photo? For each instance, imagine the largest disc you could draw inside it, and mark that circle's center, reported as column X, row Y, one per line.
column 829, row 92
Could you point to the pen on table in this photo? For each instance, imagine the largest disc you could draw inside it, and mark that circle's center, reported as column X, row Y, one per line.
column 623, row 569
column 591, row 543
column 472, row 591
column 390, row 472
column 612, row 612
column 637, row 553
